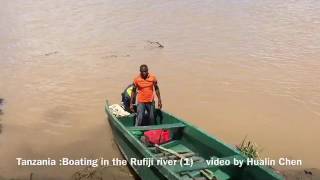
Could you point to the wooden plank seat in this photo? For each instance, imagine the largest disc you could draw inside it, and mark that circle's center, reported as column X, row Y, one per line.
column 158, row 126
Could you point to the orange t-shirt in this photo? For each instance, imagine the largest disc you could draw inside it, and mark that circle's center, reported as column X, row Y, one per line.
column 145, row 88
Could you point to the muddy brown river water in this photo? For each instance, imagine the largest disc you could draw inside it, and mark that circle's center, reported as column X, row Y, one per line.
column 232, row 67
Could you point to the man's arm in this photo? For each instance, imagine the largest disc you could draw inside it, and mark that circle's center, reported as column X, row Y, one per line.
column 133, row 94
column 156, row 87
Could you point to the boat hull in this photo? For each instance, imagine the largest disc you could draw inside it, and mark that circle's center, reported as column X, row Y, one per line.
column 186, row 137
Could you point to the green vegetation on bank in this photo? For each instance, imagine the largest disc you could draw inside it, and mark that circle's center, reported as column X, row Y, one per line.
column 249, row 148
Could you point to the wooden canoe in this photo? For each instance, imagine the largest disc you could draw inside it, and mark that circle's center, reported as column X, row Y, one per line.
column 185, row 138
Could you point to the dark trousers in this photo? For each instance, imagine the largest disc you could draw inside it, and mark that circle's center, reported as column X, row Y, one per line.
column 142, row 109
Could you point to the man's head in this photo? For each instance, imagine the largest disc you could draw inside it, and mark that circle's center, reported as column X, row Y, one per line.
column 144, row 71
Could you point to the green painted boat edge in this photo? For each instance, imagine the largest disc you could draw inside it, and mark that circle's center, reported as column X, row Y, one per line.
column 167, row 172
column 266, row 169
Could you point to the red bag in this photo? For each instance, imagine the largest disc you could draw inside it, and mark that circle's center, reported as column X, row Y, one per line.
column 158, row 136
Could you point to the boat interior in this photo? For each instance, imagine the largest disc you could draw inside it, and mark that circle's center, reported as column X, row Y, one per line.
column 197, row 145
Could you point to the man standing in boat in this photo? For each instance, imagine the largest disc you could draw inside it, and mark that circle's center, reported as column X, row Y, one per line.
column 146, row 83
